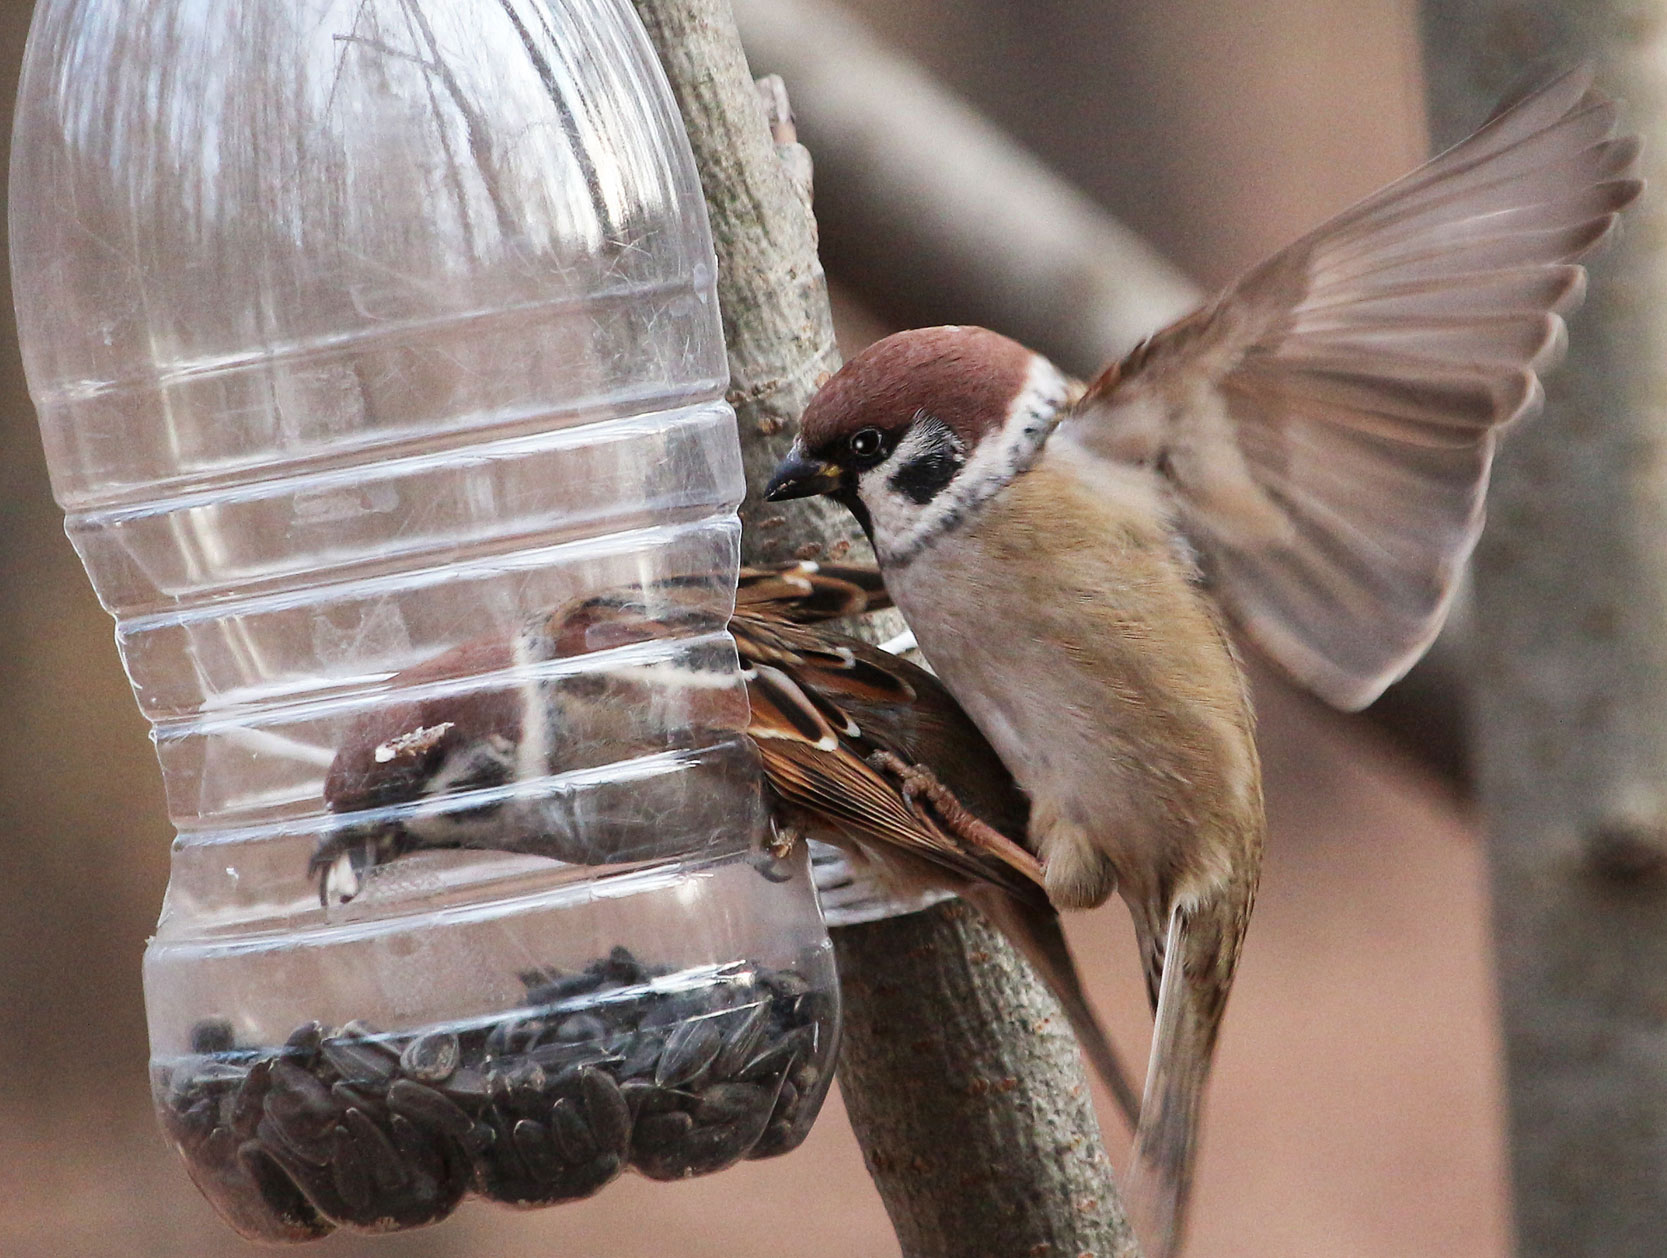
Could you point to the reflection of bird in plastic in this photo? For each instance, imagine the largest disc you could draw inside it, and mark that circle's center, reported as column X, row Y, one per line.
column 860, row 749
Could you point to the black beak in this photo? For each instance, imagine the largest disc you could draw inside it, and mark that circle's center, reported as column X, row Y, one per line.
column 801, row 477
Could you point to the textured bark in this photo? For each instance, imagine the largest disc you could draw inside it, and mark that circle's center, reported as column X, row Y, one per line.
column 938, row 985
column 1571, row 645
column 771, row 289
column 962, row 1080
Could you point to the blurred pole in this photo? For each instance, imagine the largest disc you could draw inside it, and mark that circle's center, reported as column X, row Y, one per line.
column 996, row 1151
column 1571, row 646
column 940, row 217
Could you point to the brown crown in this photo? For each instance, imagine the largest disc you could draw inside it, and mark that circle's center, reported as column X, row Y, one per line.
column 966, row 377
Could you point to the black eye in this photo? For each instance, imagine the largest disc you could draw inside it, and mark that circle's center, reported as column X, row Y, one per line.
column 865, row 443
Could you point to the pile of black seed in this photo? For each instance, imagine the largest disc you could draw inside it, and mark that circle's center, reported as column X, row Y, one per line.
column 598, row 1070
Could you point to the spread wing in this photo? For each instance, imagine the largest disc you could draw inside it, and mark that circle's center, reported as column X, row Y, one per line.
column 1327, row 425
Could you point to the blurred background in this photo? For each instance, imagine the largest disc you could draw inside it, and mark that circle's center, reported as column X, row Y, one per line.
column 1356, row 1106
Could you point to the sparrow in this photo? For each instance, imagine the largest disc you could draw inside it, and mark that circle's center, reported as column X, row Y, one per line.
column 859, row 748
column 1303, row 458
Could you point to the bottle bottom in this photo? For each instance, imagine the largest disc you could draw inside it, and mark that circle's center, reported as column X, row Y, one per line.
column 674, row 1073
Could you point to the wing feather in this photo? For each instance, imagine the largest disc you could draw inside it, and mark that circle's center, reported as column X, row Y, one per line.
column 809, row 593
column 1327, row 425
column 806, row 687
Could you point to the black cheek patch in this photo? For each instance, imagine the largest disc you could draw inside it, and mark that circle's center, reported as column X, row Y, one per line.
column 924, row 477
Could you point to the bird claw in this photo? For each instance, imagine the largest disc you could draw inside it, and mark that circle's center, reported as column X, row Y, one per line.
column 778, row 848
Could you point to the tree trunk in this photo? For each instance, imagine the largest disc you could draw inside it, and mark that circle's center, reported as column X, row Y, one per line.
column 1571, row 649
column 967, row 1094
column 964, row 1086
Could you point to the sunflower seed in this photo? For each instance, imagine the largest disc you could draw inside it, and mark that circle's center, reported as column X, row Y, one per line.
column 518, row 1083
column 708, row 1149
column 281, row 1143
column 214, row 1076
column 644, row 1055
column 780, row 1136
column 773, row 1062
column 657, row 1134
column 805, row 1076
column 741, row 1041
column 787, row 1100
column 348, row 1097
column 733, row 1103
column 298, row 1104
column 623, row 967
column 689, row 1051
column 606, row 1110
column 532, row 1142
column 349, row 1171
column 431, row 1058
column 417, row 1148
column 212, row 1035
column 193, row 1122
column 292, row 1217
column 248, row 1106
column 572, row 1134
column 557, row 1059
column 580, row 1028
column 788, row 984
column 466, row 1086
column 359, row 1062
column 220, row 1146
column 422, row 1104
column 380, row 1156
column 302, row 1045
column 509, row 1036
column 558, row 988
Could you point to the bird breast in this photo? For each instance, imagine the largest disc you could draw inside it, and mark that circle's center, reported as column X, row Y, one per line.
column 1066, row 620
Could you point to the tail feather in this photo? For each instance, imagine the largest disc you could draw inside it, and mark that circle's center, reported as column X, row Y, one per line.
column 1035, row 931
column 1183, row 1039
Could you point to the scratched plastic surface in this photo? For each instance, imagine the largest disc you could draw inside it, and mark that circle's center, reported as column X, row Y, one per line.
column 362, row 333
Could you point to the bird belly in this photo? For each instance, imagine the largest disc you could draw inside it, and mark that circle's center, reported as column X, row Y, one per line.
column 1101, row 677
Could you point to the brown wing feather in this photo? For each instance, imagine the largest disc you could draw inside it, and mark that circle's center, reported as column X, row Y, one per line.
column 1328, row 424
column 809, row 593
column 818, row 756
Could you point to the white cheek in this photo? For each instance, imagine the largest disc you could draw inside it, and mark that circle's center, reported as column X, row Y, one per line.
column 903, row 528
column 891, row 515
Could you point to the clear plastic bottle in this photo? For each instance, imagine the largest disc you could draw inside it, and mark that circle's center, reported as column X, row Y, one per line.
column 365, row 334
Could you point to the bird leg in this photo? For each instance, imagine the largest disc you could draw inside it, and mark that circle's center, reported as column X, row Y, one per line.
column 950, row 813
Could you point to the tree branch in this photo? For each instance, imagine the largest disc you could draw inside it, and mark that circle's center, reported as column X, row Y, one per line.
column 1571, row 608
column 964, row 1084
column 934, row 985
column 771, row 290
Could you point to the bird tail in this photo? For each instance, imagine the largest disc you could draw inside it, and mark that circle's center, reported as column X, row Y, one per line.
column 1191, row 996
column 1035, row 931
